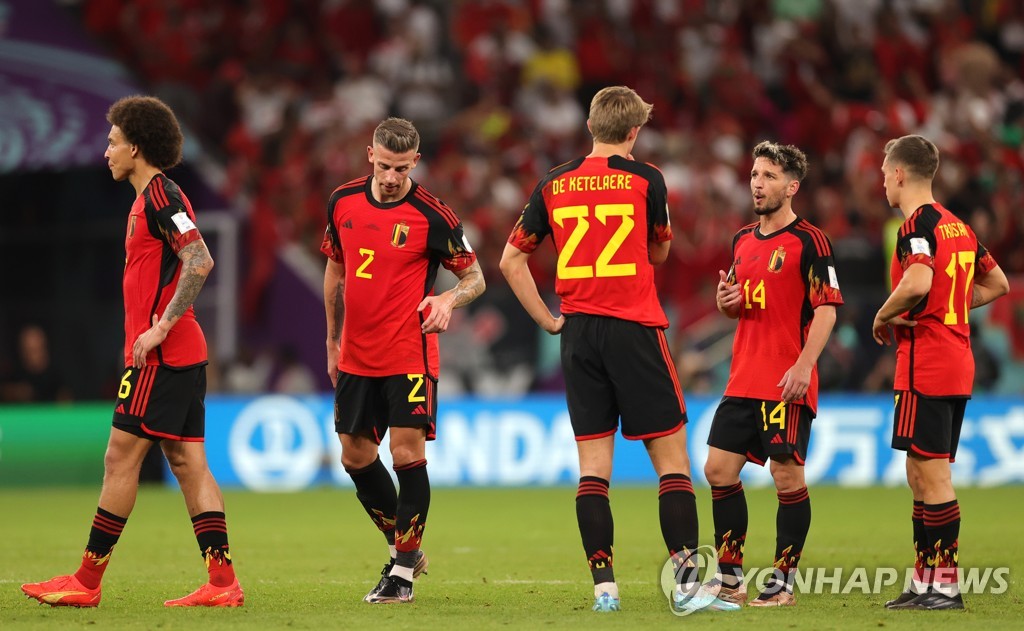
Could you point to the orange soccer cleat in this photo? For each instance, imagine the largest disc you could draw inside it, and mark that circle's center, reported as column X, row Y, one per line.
column 210, row 595
column 62, row 591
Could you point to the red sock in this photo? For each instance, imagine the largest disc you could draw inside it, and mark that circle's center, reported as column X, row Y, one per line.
column 218, row 564
column 91, row 572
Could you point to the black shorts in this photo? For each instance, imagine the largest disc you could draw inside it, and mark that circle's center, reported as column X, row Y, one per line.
column 617, row 368
column 157, row 402
column 372, row 404
column 761, row 429
column 928, row 426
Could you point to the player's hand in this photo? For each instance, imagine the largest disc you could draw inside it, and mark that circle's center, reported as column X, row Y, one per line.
column 727, row 296
column 146, row 342
column 333, row 350
column 555, row 327
column 880, row 328
column 795, row 382
column 440, row 312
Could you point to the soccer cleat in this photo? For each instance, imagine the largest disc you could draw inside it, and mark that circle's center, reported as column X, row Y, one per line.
column 209, row 595
column 392, row 591
column 900, row 601
column 735, row 595
column 605, row 602
column 704, row 598
column 62, row 591
column 774, row 598
column 935, row 601
column 422, row 563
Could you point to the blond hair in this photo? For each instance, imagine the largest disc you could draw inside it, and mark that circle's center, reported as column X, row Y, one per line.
column 614, row 111
column 397, row 135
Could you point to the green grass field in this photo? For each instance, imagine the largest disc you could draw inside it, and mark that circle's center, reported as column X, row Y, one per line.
column 500, row 558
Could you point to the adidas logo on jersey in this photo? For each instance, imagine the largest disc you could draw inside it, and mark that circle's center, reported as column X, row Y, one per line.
column 120, row 409
column 347, row 224
column 419, row 410
column 776, row 440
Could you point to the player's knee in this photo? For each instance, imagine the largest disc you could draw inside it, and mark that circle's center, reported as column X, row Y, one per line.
column 719, row 475
column 788, row 477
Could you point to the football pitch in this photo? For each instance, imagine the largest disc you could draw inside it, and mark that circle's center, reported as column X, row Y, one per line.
column 500, row 558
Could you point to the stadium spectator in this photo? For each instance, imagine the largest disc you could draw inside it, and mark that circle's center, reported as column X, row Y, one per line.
column 33, row 378
column 783, row 289
column 615, row 359
column 163, row 387
column 940, row 271
column 386, row 236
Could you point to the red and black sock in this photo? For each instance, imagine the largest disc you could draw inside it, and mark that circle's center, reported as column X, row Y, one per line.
column 922, row 553
column 597, row 529
column 677, row 511
column 942, row 523
column 375, row 490
column 106, row 529
column 413, row 503
column 211, row 530
column 729, row 509
column 792, row 522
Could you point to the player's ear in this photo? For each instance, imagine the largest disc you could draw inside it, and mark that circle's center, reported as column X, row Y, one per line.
column 794, row 186
column 369, row 153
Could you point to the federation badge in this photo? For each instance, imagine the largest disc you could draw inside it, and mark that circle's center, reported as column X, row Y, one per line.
column 776, row 259
column 399, row 234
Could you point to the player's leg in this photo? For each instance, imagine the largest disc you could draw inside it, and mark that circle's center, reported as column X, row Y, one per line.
column 793, row 519
column 121, row 465
column 186, row 455
column 729, row 511
column 732, row 442
column 921, row 581
column 930, row 432
column 594, row 517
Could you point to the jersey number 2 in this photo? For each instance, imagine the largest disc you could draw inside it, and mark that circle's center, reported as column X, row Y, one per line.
column 604, row 267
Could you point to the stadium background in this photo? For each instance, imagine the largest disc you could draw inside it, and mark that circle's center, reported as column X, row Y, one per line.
column 279, row 99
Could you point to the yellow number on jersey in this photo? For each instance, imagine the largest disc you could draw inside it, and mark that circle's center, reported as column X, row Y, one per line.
column 361, row 270
column 126, row 386
column 776, row 417
column 960, row 260
column 605, row 268
column 756, row 296
column 417, row 385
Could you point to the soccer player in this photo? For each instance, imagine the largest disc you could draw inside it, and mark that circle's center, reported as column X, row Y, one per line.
column 161, row 398
column 385, row 237
column 608, row 218
column 782, row 287
column 939, row 273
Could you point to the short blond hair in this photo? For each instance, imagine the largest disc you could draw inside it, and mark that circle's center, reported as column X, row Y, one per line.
column 614, row 111
column 397, row 135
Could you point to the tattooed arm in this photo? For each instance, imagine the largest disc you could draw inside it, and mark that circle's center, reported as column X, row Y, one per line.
column 471, row 285
column 334, row 305
column 196, row 264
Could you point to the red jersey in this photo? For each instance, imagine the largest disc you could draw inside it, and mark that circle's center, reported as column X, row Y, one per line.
column 390, row 252
column 160, row 224
column 601, row 213
column 934, row 358
column 785, row 276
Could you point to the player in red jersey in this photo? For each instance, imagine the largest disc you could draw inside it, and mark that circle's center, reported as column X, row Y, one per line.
column 386, row 236
column 163, row 387
column 608, row 219
column 939, row 273
column 782, row 287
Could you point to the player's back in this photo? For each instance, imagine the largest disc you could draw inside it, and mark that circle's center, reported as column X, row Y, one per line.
column 934, row 358
column 603, row 212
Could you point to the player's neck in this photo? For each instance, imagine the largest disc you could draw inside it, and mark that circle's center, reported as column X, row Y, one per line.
column 777, row 220
column 605, row 150
column 378, row 195
column 141, row 176
column 914, row 198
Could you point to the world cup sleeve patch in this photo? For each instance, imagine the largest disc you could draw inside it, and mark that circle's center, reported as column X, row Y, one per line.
column 181, row 220
column 920, row 245
column 833, row 281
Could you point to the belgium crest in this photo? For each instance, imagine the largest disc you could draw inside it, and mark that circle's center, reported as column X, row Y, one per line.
column 776, row 259
column 399, row 234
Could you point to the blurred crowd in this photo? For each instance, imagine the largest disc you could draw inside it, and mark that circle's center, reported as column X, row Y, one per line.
column 285, row 95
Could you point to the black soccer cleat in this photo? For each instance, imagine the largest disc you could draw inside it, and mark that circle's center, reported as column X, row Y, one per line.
column 901, row 600
column 420, row 568
column 935, row 601
column 393, row 590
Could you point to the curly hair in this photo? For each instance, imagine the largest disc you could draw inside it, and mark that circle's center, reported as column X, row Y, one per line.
column 792, row 160
column 149, row 124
